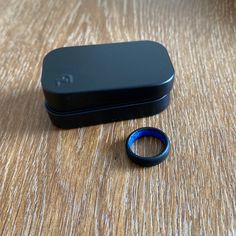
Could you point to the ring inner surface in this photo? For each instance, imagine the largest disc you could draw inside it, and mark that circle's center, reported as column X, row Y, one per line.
column 147, row 143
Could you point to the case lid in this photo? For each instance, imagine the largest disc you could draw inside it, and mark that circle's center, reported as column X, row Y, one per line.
column 84, row 77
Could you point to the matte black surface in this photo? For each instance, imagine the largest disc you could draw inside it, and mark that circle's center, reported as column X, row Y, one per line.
column 145, row 132
column 109, row 74
column 88, row 85
column 67, row 120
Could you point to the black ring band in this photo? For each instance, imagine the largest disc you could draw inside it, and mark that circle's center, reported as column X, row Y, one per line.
column 148, row 132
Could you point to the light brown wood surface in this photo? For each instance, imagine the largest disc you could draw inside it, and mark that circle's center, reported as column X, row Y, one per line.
column 80, row 181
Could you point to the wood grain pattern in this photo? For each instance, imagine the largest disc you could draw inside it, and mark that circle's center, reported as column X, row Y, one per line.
column 80, row 182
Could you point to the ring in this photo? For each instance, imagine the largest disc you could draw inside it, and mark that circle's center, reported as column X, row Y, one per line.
column 148, row 132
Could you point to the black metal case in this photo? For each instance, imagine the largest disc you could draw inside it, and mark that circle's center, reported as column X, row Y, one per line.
column 94, row 84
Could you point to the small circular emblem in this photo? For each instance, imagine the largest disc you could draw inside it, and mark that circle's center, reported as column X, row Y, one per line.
column 64, row 79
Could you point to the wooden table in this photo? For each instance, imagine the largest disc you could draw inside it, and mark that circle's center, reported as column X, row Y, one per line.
column 80, row 181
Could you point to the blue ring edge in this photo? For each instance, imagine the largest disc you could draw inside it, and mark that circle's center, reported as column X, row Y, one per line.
column 148, row 132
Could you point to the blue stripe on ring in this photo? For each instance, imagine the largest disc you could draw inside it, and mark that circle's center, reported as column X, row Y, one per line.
column 146, row 133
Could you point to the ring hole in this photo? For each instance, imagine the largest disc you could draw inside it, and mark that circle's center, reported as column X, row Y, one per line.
column 147, row 147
